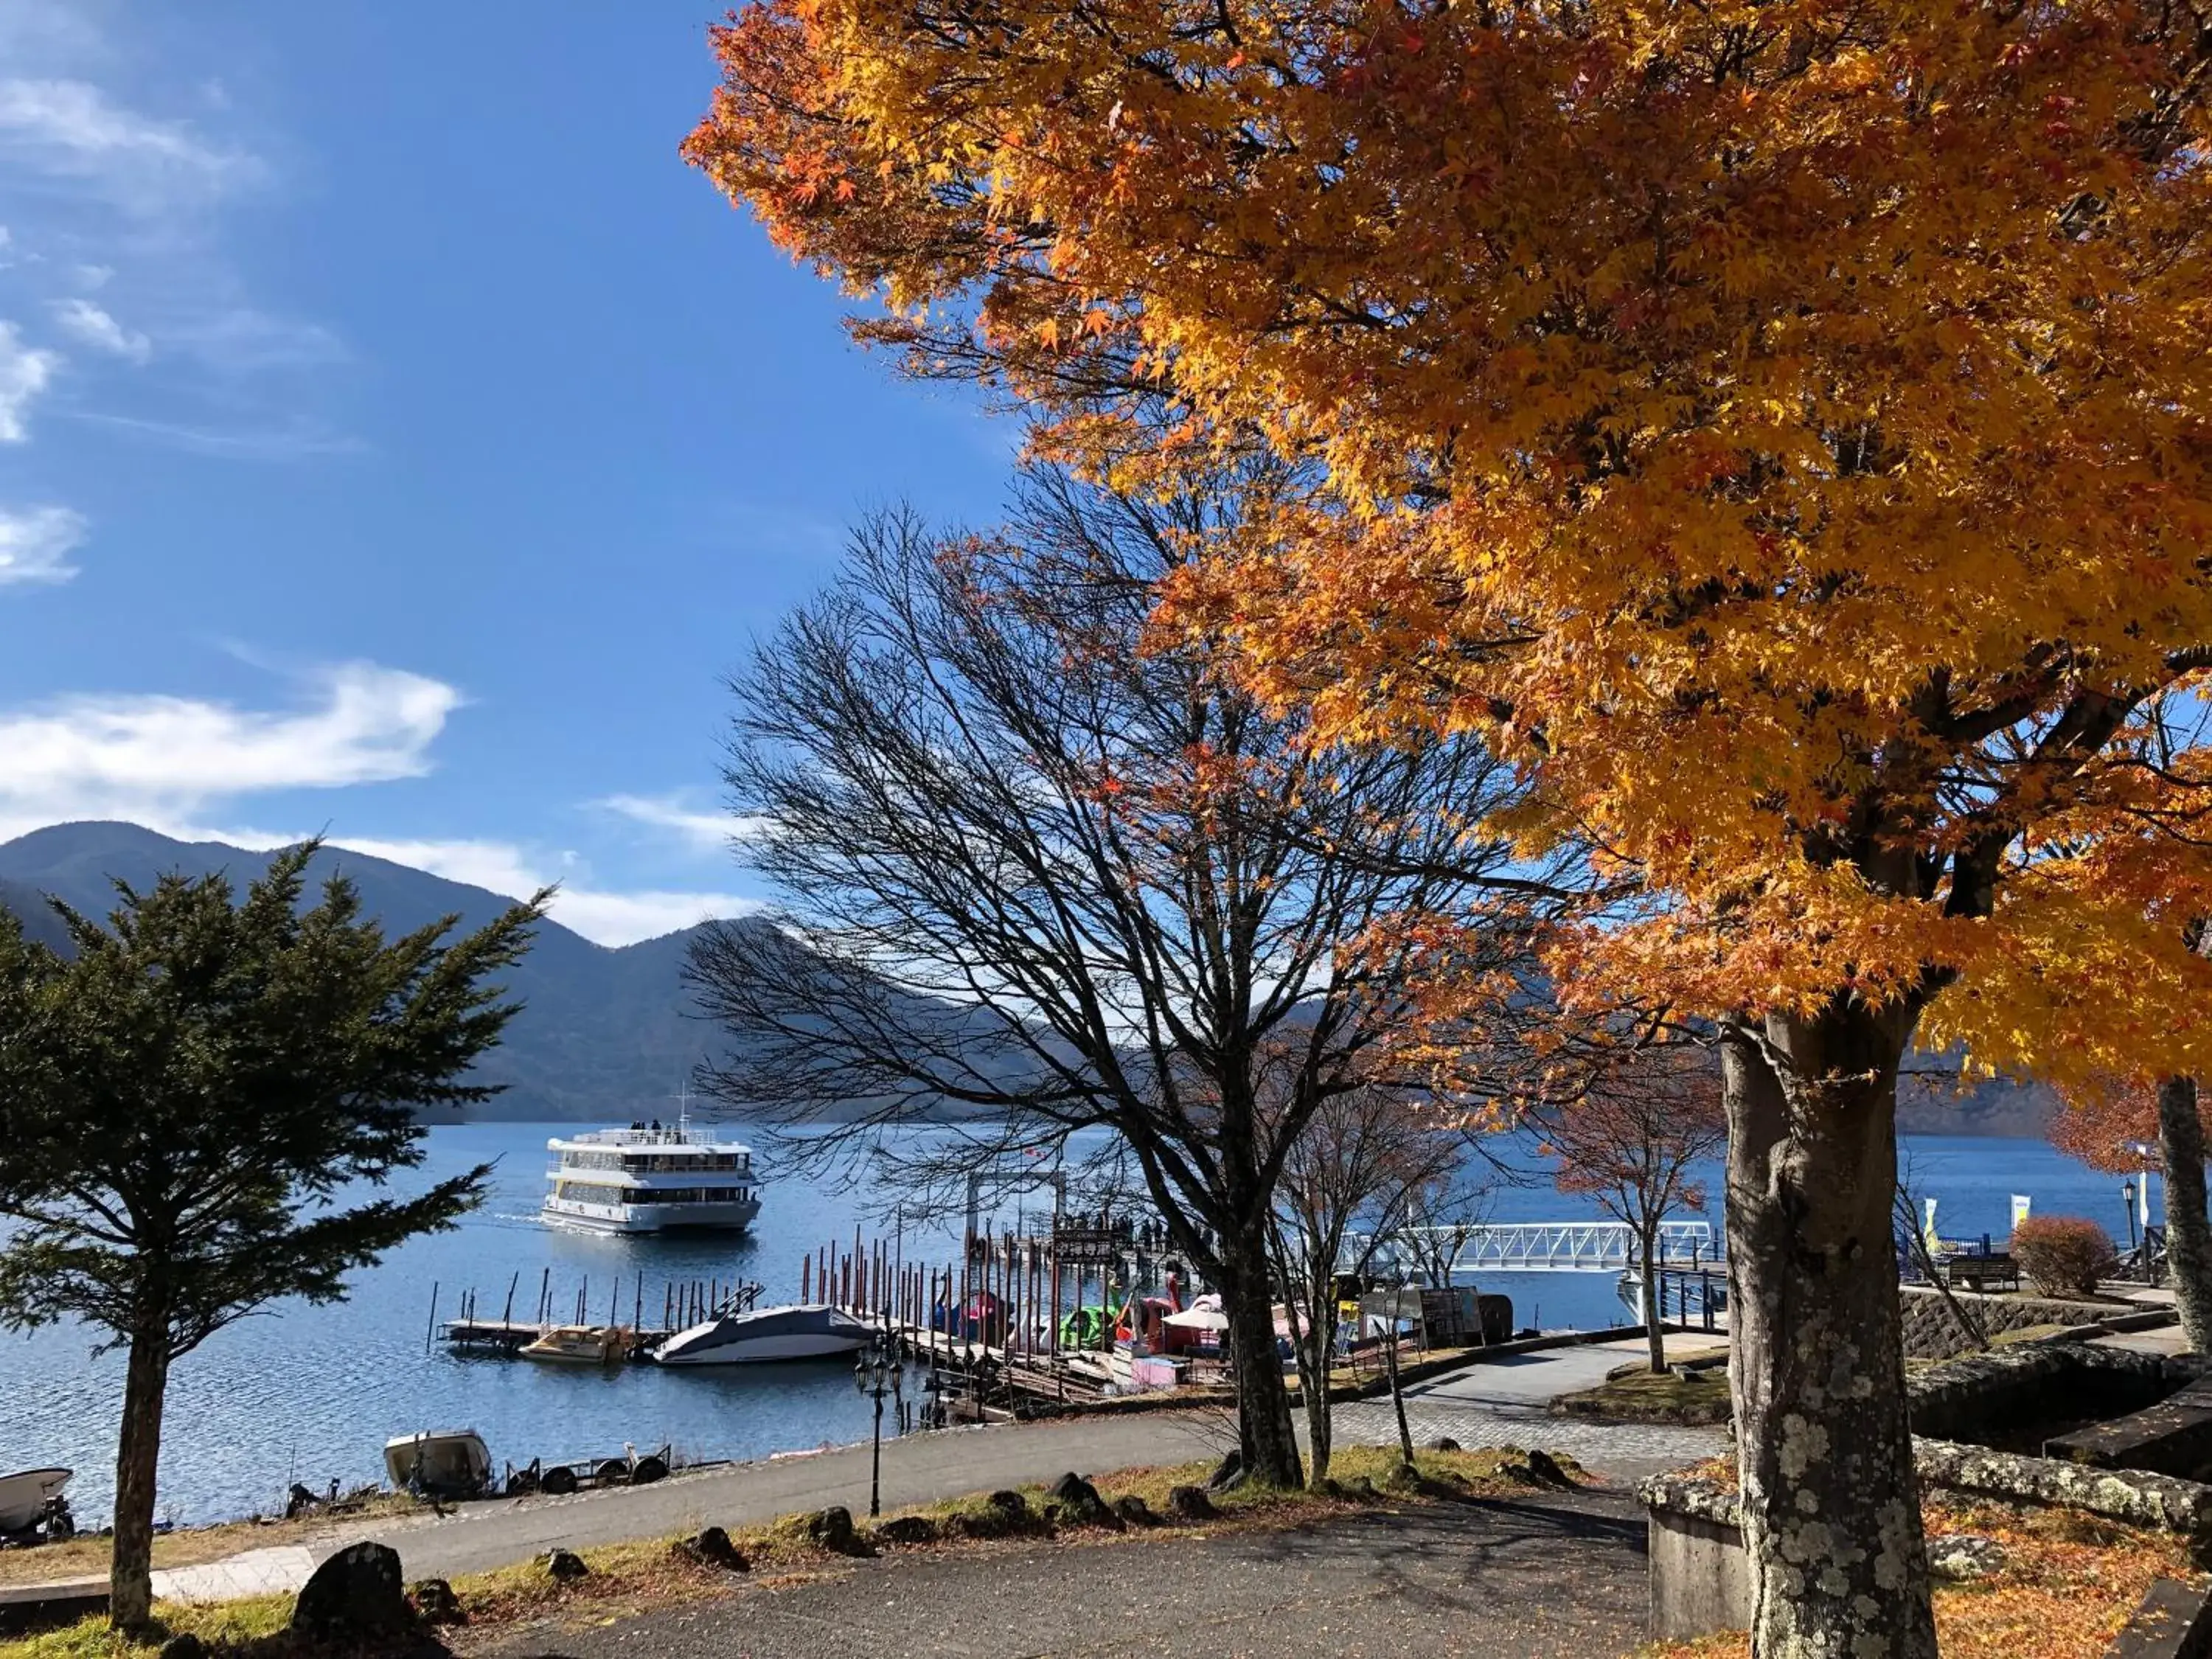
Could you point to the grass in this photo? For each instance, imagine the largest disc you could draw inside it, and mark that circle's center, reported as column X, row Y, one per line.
column 2070, row 1581
column 626, row 1578
column 1642, row 1396
column 229, row 1622
column 88, row 1557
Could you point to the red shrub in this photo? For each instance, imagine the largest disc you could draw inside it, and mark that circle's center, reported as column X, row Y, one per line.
column 2064, row 1254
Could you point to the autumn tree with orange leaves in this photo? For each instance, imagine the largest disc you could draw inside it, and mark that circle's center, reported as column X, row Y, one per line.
column 2106, row 1125
column 1781, row 429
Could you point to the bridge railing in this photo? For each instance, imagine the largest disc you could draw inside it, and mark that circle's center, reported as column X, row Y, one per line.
column 1571, row 1246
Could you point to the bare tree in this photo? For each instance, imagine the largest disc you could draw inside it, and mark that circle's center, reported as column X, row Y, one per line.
column 1349, row 1185
column 1442, row 1214
column 1633, row 1138
column 1034, row 874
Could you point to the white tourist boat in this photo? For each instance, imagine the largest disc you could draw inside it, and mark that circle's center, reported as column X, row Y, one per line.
column 650, row 1179
column 799, row 1331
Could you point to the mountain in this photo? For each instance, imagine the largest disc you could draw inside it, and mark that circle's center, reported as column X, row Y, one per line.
column 604, row 1033
column 1933, row 1099
column 609, row 1033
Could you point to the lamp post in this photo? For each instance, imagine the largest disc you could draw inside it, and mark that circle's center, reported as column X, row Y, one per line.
column 2128, row 1196
column 880, row 1372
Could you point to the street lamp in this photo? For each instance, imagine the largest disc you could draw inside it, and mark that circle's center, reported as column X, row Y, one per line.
column 2128, row 1196
column 880, row 1372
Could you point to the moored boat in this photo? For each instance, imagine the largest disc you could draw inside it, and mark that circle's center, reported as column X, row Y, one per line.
column 797, row 1331
column 32, row 1504
column 442, row 1462
column 581, row 1345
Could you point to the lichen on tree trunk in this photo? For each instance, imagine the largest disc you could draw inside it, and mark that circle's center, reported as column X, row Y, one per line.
column 137, row 1463
column 2188, row 1229
column 1830, row 1505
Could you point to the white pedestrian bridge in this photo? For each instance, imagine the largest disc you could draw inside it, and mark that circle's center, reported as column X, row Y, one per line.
column 1568, row 1247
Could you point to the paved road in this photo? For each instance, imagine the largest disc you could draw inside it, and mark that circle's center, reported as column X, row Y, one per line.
column 1501, row 1403
column 1476, row 1409
column 1551, row 1578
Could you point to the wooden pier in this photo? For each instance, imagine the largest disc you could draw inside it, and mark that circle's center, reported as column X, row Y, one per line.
column 681, row 1304
column 992, row 1327
column 996, row 1321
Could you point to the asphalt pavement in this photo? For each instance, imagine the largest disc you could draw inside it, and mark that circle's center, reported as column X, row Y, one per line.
column 1555, row 1576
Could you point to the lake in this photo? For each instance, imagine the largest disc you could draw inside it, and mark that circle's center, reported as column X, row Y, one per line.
column 310, row 1394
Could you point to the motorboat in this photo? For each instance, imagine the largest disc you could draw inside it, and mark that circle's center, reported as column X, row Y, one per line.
column 796, row 1331
column 32, row 1504
column 650, row 1179
column 442, row 1462
column 580, row 1345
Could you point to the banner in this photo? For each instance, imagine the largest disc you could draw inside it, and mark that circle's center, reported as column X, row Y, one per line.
column 2019, row 1210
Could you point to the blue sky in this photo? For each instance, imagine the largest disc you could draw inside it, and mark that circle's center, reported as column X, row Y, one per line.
column 396, row 438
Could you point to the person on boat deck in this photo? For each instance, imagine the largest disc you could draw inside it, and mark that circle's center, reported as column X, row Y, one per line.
column 656, row 1123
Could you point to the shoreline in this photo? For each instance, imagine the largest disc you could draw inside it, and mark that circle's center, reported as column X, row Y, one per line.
column 1474, row 1403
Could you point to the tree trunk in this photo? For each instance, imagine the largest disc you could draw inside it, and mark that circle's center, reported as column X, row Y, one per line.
column 1264, row 1437
column 1653, row 1333
column 138, row 1460
column 1309, row 1340
column 1397, row 1395
column 1314, row 1381
column 1830, row 1509
column 2188, row 1229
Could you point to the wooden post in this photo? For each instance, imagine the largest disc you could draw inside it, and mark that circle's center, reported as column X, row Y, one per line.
column 806, row 1280
column 545, row 1299
column 430, row 1336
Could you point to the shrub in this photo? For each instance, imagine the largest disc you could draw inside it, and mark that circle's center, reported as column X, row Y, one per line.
column 2064, row 1254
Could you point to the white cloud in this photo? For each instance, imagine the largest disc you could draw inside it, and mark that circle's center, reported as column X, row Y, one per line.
column 604, row 916
column 301, row 439
column 85, row 321
column 35, row 542
column 242, row 340
column 707, row 831
column 163, row 760
column 24, row 373
column 71, row 129
column 626, row 918
column 172, row 763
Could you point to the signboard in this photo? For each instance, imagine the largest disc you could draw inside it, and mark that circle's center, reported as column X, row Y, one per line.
column 1090, row 1246
column 2019, row 1210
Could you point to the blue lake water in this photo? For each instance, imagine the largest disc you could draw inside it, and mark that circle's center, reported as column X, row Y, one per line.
column 309, row 1394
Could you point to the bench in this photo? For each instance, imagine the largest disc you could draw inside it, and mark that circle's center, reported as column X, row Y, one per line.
column 1981, row 1273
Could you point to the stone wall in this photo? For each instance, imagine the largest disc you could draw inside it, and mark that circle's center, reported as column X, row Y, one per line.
column 1988, row 1397
column 1931, row 1329
column 1701, row 1573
